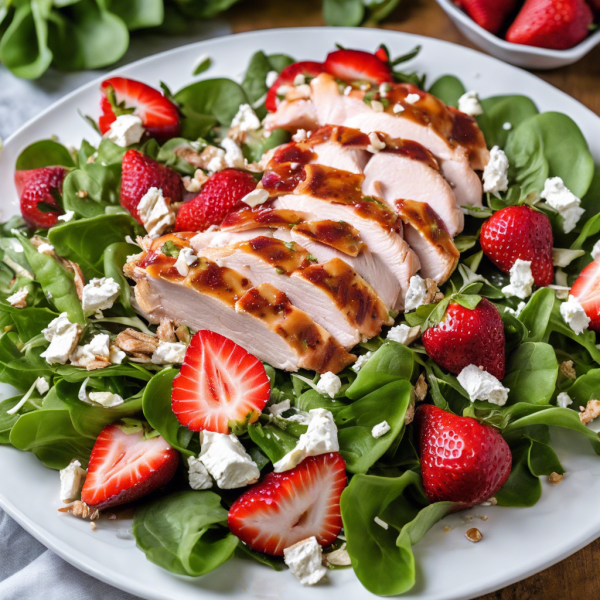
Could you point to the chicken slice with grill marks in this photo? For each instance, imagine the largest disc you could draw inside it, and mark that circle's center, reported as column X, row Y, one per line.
column 262, row 320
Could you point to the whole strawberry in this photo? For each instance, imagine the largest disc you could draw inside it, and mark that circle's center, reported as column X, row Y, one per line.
column 221, row 195
column 551, row 24
column 36, row 189
column 139, row 174
column 468, row 337
column 489, row 14
column 520, row 232
column 462, row 460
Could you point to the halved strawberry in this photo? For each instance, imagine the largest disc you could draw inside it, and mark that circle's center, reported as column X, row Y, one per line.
column 357, row 65
column 382, row 54
column 126, row 466
column 220, row 385
column 36, row 189
column 287, row 76
column 159, row 115
column 285, row 508
column 587, row 290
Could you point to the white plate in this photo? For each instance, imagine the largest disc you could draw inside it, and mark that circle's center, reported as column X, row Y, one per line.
column 517, row 542
column 517, row 54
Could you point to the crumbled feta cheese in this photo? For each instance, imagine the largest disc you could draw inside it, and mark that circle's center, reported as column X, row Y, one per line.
column 329, row 384
column 516, row 311
column 403, row 334
column 45, row 248
column 416, row 293
column 227, row 460
column 574, row 315
column 596, row 250
column 564, row 201
column 41, row 385
column 495, row 173
column 299, row 136
column 380, row 429
column 125, row 130
column 105, row 399
column 481, row 385
column 246, row 119
column 305, row 560
column 398, row 108
column 198, row 475
column 377, row 106
column 155, row 213
column 234, row 157
column 469, row 104
column 320, row 438
column 563, row 400
column 217, row 162
column 521, row 280
column 97, row 349
column 169, row 353
column 412, row 98
column 116, row 355
column 100, row 294
column 563, row 257
column 276, row 410
column 381, row 523
column 271, row 78
column 63, row 337
column 68, row 216
column 384, row 88
column 299, row 416
column 71, row 481
column 361, row 361
column 507, row 126
column 300, row 79
column 256, row 197
column 19, row 298
column 185, row 260
column 347, row 90
column 376, row 144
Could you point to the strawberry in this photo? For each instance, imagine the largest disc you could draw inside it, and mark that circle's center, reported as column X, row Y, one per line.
column 468, row 337
column 462, row 460
column 139, row 174
column 220, row 386
column 489, row 14
column 220, row 196
column 356, row 65
column 287, row 76
column 551, row 24
column 285, row 508
column 587, row 290
column 159, row 115
column 126, row 466
column 382, row 54
column 520, row 232
column 37, row 189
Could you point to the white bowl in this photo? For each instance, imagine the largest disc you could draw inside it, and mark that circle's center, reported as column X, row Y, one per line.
column 517, row 54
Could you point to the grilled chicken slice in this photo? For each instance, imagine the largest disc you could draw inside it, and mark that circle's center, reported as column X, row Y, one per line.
column 333, row 294
column 427, row 236
column 262, row 319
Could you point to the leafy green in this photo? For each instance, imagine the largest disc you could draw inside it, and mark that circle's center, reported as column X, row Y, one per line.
column 448, row 89
column 343, row 13
column 45, row 153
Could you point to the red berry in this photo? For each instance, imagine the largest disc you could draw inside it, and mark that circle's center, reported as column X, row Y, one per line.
column 356, row 65
column 468, row 337
column 220, row 196
column 462, row 460
column 489, row 14
column 587, row 290
column 520, row 232
column 287, row 76
column 39, row 186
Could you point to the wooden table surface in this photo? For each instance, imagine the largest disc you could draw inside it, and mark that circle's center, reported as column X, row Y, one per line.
column 575, row 578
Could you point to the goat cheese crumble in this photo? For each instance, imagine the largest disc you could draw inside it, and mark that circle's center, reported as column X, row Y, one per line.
column 375, row 143
column 271, row 78
column 125, row 130
column 563, row 400
column 100, row 294
column 169, row 353
column 558, row 196
column 495, row 173
column 412, row 98
column 403, row 334
column 185, row 260
column 469, row 104
column 596, row 250
column 305, row 560
column 198, row 476
column 155, row 213
column 380, row 429
column 574, row 315
column 63, row 337
column 521, row 280
column 234, row 158
column 329, row 384
column 361, row 361
column 256, row 197
column 246, row 119
column 416, row 293
column 19, row 298
column 481, row 385
column 71, row 481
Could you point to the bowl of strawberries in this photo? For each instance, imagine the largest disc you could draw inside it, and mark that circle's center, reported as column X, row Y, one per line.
column 536, row 34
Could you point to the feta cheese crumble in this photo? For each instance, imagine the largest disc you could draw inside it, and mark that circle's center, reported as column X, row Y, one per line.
column 198, row 476
column 155, row 213
column 521, row 280
column 105, row 399
column 185, row 260
column 276, row 410
column 45, row 248
column 574, row 315
column 227, row 460
column 329, row 384
column 217, row 161
column 380, row 429
column 169, row 353
column 320, row 438
column 299, row 79
column 416, row 293
column 469, row 104
column 116, row 355
column 234, row 158
column 100, row 294
column 271, row 78
column 246, row 119
column 256, row 197
column 412, row 98
column 495, row 173
column 403, row 334
column 41, row 385
column 97, row 349
column 516, row 311
column 71, row 481
column 481, row 385
column 563, row 257
column 375, row 143
column 305, row 560
column 361, row 361
column 563, row 400
column 564, row 201
column 398, row 108
column 299, row 136
column 125, row 130
column 63, row 337
column 68, row 216
column 19, row 298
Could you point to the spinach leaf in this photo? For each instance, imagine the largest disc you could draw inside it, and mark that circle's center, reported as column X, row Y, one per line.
column 536, row 314
column 254, row 148
column 45, row 153
column 184, row 533
column 100, row 184
column 7, row 421
column 167, row 156
column 586, row 387
column 255, row 79
column 115, row 256
column 448, row 89
column 138, row 14
column 343, row 13
column 274, row 441
column 29, row 321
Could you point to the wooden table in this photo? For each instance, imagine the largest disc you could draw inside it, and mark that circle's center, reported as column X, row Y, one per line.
column 575, row 578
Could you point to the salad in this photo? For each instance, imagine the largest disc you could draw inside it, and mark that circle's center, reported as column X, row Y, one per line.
column 301, row 319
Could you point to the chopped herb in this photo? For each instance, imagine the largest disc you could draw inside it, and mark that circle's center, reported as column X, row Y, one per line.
column 170, row 249
column 312, row 258
column 280, row 270
column 289, row 245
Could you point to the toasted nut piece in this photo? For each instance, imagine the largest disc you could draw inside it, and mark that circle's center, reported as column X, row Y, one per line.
column 421, row 388
column 81, row 510
column 410, row 412
column 136, row 342
column 99, row 363
column 590, row 412
column 474, row 535
column 237, row 135
column 138, row 357
column 166, row 331
column 566, row 368
column 78, row 278
column 183, row 334
column 338, row 558
column 432, row 292
column 555, row 478
column 447, row 529
column 193, row 157
column 93, row 526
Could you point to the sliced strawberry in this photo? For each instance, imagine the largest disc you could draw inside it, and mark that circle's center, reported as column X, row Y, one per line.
column 139, row 174
column 159, row 115
column 220, row 385
column 382, row 55
column 36, row 189
column 587, row 290
column 307, row 68
column 126, row 466
column 285, row 508
column 220, row 196
column 356, row 65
